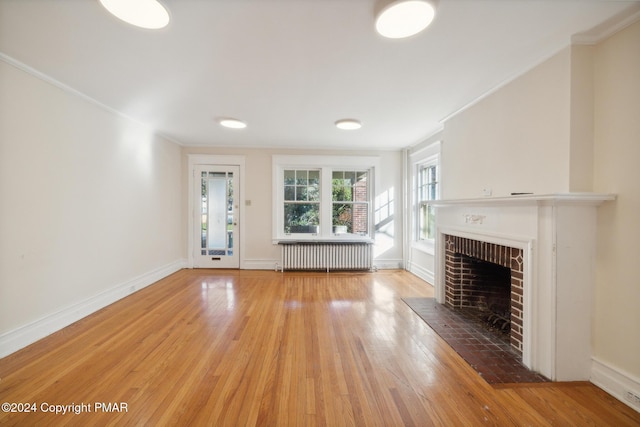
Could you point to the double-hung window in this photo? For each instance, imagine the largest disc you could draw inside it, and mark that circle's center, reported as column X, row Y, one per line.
column 301, row 201
column 323, row 197
column 428, row 190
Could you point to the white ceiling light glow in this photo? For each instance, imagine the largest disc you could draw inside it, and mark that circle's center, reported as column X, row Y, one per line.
column 348, row 124
column 232, row 123
column 149, row 14
column 404, row 18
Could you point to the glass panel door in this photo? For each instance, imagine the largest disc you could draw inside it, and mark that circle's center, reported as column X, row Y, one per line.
column 217, row 217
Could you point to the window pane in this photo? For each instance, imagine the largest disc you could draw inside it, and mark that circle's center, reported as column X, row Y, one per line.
column 301, row 217
column 289, row 192
column 361, row 218
column 423, row 219
column 350, row 186
column 301, row 177
column 301, row 193
column 304, row 193
column 314, row 178
column 313, row 195
column 426, row 219
column 340, row 192
column 431, row 226
column 432, row 192
column 349, row 178
column 217, row 218
column 289, row 177
column 361, row 189
column 432, row 174
column 342, row 216
column 337, row 186
column 350, row 218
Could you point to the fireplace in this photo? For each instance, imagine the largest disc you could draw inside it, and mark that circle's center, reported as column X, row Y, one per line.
column 548, row 244
column 486, row 278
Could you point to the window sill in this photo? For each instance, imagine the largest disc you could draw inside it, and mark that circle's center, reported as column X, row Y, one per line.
column 320, row 240
column 427, row 247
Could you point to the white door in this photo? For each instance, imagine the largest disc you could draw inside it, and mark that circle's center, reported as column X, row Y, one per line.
column 216, row 218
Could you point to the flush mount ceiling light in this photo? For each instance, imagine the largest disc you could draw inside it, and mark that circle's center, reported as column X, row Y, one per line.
column 148, row 14
column 348, row 124
column 403, row 18
column 232, row 123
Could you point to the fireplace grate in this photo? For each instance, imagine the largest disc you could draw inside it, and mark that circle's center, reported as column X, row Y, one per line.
column 499, row 323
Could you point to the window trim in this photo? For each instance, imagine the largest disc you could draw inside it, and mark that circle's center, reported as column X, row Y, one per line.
column 428, row 156
column 326, row 164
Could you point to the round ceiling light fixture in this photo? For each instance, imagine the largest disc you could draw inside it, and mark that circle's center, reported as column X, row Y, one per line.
column 232, row 123
column 404, row 18
column 149, row 14
column 348, row 124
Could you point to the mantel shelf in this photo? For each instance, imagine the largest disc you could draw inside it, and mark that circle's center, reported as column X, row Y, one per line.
column 593, row 199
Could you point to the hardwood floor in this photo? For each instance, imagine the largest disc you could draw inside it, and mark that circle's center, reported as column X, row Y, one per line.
column 207, row 347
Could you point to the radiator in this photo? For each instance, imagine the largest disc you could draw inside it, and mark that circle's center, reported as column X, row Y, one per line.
column 327, row 256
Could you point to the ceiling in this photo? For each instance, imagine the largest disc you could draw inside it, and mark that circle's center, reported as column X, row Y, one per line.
column 291, row 68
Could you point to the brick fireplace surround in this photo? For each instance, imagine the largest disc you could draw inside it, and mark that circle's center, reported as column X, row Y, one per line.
column 459, row 278
column 549, row 242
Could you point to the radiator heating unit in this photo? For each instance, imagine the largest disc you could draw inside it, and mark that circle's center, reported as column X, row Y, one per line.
column 327, row 256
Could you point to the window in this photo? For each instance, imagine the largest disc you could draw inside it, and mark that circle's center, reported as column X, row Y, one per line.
column 428, row 189
column 301, row 201
column 426, row 186
column 323, row 197
column 350, row 196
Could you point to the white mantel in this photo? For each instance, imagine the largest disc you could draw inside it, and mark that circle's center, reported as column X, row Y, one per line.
column 557, row 233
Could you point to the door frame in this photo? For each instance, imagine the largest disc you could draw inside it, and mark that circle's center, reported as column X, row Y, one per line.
column 213, row 160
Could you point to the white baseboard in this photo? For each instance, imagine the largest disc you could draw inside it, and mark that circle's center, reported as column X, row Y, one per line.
column 422, row 273
column 387, row 264
column 260, row 264
column 621, row 385
column 21, row 337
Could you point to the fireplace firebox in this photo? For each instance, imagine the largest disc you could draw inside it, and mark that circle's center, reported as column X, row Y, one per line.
column 489, row 278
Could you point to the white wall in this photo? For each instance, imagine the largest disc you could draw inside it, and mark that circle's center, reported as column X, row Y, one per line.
column 515, row 139
column 258, row 251
column 616, row 334
column 90, row 203
column 534, row 134
column 581, row 119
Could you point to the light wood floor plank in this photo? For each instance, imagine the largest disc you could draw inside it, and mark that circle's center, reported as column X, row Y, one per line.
column 228, row 347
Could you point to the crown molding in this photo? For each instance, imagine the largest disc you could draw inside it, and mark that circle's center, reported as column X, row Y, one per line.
column 609, row 27
column 68, row 89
